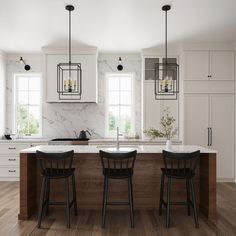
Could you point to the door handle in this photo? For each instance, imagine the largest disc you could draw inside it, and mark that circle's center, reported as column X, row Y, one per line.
column 208, row 136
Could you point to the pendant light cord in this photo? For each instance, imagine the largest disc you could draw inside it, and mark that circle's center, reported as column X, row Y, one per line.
column 69, row 43
column 166, row 37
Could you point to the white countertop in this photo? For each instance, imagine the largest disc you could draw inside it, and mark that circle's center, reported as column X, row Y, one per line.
column 25, row 140
column 123, row 148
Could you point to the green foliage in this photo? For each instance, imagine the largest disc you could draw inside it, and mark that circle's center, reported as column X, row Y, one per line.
column 112, row 121
column 127, row 126
column 167, row 127
column 26, row 123
column 125, row 123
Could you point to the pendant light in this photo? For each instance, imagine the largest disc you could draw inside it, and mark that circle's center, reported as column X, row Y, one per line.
column 69, row 75
column 167, row 72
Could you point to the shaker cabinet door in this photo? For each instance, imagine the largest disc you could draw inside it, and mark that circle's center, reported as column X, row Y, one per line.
column 196, row 65
column 222, row 65
column 196, row 119
column 222, row 124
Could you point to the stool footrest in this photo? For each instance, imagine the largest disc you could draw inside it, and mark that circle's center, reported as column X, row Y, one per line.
column 118, row 203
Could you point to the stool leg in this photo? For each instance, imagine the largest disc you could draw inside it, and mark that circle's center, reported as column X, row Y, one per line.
column 194, row 204
column 131, row 205
column 41, row 201
column 188, row 196
column 74, row 194
column 48, row 195
column 105, row 193
column 168, row 203
column 67, row 202
column 161, row 193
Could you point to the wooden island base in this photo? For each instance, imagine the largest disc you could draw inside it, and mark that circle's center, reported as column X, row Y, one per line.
column 89, row 184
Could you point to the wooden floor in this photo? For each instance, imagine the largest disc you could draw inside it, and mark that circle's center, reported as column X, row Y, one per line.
column 147, row 223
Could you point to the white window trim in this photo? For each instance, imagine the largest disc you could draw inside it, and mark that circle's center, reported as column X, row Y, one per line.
column 129, row 74
column 14, row 89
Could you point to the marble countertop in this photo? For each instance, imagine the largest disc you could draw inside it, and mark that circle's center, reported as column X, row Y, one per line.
column 110, row 148
column 131, row 140
column 26, row 140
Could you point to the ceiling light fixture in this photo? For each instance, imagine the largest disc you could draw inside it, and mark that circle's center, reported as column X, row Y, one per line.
column 27, row 67
column 69, row 75
column 167, row 72
column 120, row 66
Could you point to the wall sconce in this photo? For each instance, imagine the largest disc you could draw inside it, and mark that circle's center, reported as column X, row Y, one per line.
column 120, row 67
column 27, row 67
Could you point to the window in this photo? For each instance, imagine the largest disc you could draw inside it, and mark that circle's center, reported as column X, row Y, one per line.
column 27, row 109
column 120, row 104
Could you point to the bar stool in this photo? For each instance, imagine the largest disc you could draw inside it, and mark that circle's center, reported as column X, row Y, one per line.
column 179, row 166
column 56, row 166
column 118, row 166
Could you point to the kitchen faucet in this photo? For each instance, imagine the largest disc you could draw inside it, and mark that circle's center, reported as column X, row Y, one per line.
column 117, row 138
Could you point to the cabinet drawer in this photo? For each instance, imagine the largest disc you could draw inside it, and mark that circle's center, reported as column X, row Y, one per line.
column 9, row 160
column 9, row 172
column 12, row 148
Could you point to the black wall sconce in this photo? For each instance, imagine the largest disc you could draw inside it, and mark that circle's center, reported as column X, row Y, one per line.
column 120, row 67
column 27, row 67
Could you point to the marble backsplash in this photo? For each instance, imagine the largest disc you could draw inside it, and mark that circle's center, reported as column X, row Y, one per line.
column 64, row 119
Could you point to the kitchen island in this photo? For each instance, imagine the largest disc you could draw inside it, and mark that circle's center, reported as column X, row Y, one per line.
column 89, row 178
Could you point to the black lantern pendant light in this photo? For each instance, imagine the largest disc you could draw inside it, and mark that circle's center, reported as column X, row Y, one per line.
column 69, row 75
column 166, row 73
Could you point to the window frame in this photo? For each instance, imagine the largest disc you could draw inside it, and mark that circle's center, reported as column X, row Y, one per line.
column 132, row 105
column 15, row 100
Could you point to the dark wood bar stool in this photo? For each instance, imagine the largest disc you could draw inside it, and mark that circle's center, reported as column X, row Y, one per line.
column 118, row 166
column 56, row 166
column 179, row 166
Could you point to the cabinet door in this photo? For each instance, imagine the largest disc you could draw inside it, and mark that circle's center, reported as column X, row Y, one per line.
column 196, row 119
column 222, row 65
column 89, row 77
column 222, row 123
column 196, row 65
column 153, row 109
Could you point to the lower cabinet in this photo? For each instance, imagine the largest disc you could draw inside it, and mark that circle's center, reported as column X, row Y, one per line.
column 10, row 159
column 209, row 122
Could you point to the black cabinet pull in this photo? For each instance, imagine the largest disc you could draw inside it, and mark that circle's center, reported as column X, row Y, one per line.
column 12, row 171
column 11, row 159
column 208, row 136
column 12, row 148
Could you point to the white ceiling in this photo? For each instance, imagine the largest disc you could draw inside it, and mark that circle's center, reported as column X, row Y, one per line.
column 113, row 25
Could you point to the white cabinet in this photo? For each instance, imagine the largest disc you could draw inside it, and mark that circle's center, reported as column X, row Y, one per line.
column 214, row 111
column 196, row 65
column 196, row 119
column 89, row 75
column 209, row 65
column 10, row 159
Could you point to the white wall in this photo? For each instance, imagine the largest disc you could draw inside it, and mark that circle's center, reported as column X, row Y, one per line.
column 2, row 93
column 60, row 120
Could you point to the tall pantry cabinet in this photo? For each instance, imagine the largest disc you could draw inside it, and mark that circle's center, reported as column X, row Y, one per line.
column 209, row 105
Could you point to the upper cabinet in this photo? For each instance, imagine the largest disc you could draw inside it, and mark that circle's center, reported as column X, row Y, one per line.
column 88, row 60
column 209, row 65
